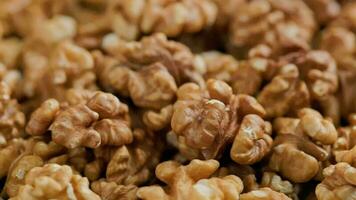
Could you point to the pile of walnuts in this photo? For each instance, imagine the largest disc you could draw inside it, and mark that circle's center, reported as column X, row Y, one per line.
column 178, row 99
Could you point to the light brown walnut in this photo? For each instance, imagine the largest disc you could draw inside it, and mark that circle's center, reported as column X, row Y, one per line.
column 324, row 10
column 264, row 194
column 158, row 120
column 253, row 140
column 208, row 119
column 286, row 93
column 192, row 181
column 112, row 191
column 54, row 181
column 276, row 183
column 339, row 183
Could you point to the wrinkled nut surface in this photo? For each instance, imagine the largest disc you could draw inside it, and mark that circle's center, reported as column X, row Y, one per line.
column 101, row 120
column 339, row 182
column 192, row 181
column 208, row 119
column 252, row 142
column 275, row 182
column 54, row 181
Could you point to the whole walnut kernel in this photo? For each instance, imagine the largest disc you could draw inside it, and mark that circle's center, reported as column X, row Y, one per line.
column 252, row 142
column 169, row 17
column 339, row 183
column 112, row 191
column 264, row 194
column 192, row 181
column 53, row 181
column 208, row 119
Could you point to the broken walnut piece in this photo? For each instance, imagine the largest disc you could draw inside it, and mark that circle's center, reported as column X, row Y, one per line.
column 158, row 120
column 253, row 140
column 276, row 183
column 112, row 191
column 296, row 158
column 192, row 181
column 339, row 182
column 54, row 181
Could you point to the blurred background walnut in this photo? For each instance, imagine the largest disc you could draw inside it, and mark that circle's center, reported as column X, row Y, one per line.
column 130, row 19
column 324, row 10
column 284, row 26
column 54, row 181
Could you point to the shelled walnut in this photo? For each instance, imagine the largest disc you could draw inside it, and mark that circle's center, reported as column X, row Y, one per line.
column 112, row 191
column 302, row 142
column 192, row 181
column 206, row 120
column 54, row 181
column 339, row 182
column 102, row 120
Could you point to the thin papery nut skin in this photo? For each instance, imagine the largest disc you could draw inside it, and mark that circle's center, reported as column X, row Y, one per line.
column 191, row 181
column 339, row 182
column 252, row 142
column 264, row 194
column 42, row 118
column 70, row 127
column 158, row 120
column 54, row 181
column 293, row 164
column 112, row 191
column 16, row 176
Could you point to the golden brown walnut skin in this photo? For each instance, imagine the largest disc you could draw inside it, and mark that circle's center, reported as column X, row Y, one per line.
column 172, row 18
column 339, row 183
column 264, row 194
column 276, row 183
column 192, row 181
column 112, row 191
column 252, row 142
column 42, row 118
column 208, row 119
column 284, row 26
column 54, row 181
